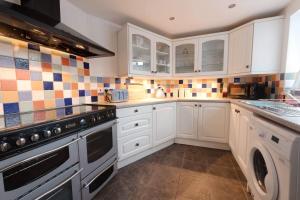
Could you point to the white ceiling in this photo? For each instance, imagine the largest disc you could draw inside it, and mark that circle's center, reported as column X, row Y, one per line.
column 192, row 16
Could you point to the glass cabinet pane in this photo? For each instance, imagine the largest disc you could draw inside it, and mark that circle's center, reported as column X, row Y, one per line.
column 184, row 58
column 141, row 53
column 212, row 56
column 162, row 57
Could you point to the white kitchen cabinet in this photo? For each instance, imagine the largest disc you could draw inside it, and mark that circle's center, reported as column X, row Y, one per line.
column 255, row 48
column 234, row 128
column 213, row 121
column 164, row 123
column 143, row 53
column 187, row 115
column 213, row 55
column 185, row 57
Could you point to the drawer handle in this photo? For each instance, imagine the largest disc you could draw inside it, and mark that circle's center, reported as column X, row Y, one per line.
column 154, row 108
column 137, row 144
column 237, row 111
column 196, row 105
column 136, row 124
column 200, row 105
column 136, row 110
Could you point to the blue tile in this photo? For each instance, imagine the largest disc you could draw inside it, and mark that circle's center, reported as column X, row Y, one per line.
column 35, row 47
column 94, row 98
column 68, row 101
column 59, row 103
column 73, row 62
column 9, row 108
column 190, row 85
column 107, row 85
column 67, row 86
column 22, row 63
column 99, row 80
column 237, row 80
column 7, row 62
column 87, row 93
column 25, row 96
column 86, row 65
column 194, row 94
column 180, row 81
column 204, row 85
column 214, row 90
column 81, row 93
column 46, row 58
column 69, row 110
column 12, row 120
column 80, row 79
column 57, row 77
column 48, row 85
column 117, row 80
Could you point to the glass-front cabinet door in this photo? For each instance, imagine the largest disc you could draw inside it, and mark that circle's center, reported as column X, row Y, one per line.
column 185, row 57
column 162, row 58
column 140, row 52
column 213, row 54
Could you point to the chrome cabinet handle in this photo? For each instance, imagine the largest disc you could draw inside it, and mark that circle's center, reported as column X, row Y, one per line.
column 137, row 144
column 86, row 185
column 61, row 184
column 200, row 105
column 36, row 156
column 137, row 124
column 247, row 66
column 196, row 105
column 136, row 110
column 154, row 108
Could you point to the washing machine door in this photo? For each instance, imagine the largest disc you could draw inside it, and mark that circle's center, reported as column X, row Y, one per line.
column 263, row 173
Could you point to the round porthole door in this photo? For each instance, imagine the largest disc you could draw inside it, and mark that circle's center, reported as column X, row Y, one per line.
column 263, row 173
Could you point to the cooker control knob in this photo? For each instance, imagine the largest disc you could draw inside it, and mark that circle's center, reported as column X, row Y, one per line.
column 4, row 146
column 35, row 137
column 20, row 142
column 82, row 122
column 47, row 133
column 93, row 119
column 99, row 117
column 57, row 130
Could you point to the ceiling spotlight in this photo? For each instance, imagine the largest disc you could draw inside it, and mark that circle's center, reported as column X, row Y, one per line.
column 79, row 46
column 171, row 18
column 232, row 5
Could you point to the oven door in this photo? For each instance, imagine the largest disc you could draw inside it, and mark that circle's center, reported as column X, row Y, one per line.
column 95, row 181
column 96, row 146
column 66, row 186
column 22, row 174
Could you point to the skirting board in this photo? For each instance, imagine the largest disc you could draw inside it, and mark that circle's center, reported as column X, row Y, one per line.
column 213, row 145
column 141, row 155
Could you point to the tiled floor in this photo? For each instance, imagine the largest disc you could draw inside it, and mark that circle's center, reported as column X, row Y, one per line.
column 179, row 172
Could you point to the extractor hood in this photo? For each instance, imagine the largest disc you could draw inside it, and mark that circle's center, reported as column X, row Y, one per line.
column 36, row 21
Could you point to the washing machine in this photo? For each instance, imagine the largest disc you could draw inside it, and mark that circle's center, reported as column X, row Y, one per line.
column 273, row 161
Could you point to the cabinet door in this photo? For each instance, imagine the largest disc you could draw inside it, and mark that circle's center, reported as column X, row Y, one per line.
column 240, row 50
column 242, row 138
column 187, row 115
column 213, row 54
column 234, row 129
column 140, row 45
column 213, row 122
column 162, row 58
column 185, row 59
column 164, row 123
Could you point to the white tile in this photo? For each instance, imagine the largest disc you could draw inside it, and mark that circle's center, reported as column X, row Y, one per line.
column 67, row 93
column 37, row 95
column 75, row 100
column 25, row 106
column 20, row 52
column 1, row 108
column 35, row 65
column 56, row 60
column 81, row 86
column 94, row 86
column 7, row 74
column 58, row 85
column 88, row 100
column 24, row 85
column 79, row 64
column 6, row 49
column 47, row 76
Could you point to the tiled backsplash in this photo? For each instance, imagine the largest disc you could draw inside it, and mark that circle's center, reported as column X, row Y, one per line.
column 34, row 78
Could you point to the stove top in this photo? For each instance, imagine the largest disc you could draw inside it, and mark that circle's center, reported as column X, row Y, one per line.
column 20, row 120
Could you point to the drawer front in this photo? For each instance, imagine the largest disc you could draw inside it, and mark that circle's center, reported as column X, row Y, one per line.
column 134, row 124
column 134, row 144
column 124, row 112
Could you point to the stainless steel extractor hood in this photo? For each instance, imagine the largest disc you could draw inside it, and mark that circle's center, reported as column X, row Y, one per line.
column 36, row 21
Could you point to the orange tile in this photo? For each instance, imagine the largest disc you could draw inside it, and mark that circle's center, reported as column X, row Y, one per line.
column 86, row 72
column 75, row 93
column 38, row 105
column 79, row 58
column 65, row 61
column 94, row 93
column 49, row 104
column 37, row 85
column 87, row 86
column 59, row 94
column 10, row 96
column 74, row 86
column 46, row 67
column 8, row 85
column 22, row 74
column 66, row 77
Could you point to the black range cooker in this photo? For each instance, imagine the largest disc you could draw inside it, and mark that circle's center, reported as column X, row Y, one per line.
column 63, row 153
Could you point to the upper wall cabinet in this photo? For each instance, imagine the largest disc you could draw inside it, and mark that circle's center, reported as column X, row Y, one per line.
column 142, row 53
column 255, row 48
column 185, row 57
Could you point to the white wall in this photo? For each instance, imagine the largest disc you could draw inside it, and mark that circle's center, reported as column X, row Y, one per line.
column 96, row 29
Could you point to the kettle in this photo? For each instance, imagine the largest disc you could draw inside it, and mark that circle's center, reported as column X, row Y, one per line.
column 160, row 93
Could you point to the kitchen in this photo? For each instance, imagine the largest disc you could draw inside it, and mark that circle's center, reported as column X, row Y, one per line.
column 113, row 100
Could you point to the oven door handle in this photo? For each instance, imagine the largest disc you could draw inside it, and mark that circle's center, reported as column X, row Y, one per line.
column 112, row 124
column 86, row 185
column 61, row 184
column 36, row 156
